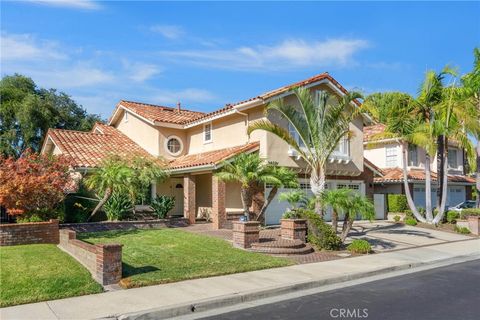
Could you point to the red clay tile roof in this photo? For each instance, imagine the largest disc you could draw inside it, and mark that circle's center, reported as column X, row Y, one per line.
column 211, row 157
column 396, row 175
column 161, row 113
column 370, row 132
column 88, row 149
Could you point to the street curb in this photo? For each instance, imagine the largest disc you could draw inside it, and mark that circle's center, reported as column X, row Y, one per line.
column 233, row 299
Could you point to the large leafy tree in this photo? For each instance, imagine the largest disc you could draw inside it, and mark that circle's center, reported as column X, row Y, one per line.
column 320, row 124
column 250, row 170
column 26, row 113
column 33, row 184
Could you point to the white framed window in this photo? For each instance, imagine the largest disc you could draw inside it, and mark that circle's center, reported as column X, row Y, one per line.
column 207, row 132
column 343, row 147
column 412, row 155
column 174, row 145
column 452, row 158
column 391, row 156
column 294, row 134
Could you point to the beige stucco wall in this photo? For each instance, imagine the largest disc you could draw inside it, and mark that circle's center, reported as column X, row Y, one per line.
column 165, row 134
column 143, row 133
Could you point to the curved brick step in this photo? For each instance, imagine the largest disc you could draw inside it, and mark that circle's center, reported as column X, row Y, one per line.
column 278, row 243
column 283, row 251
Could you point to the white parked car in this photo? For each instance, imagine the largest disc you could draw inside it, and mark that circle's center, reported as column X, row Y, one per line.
column 464, row 205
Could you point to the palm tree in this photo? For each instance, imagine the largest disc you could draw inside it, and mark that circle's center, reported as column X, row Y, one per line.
column 293, row 197
column 337, row 199
column 287, row 178
column 320, row 125
column 356, row 205
column 110, row 177
column 249, row 169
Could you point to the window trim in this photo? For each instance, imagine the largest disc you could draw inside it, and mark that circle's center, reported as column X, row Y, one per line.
column 409, row 150
column 166, row 145
column 452, row 158
column 205, row 141
column 391, row 156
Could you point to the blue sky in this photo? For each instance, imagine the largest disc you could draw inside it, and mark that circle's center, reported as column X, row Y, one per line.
column 208, row 54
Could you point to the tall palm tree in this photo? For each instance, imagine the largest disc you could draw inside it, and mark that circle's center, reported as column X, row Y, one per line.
column 337, row 199
column 249, row 169
column 320, row 125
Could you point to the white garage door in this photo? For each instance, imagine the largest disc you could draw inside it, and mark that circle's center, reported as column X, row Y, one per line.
column 456, row 195
column 277, row 208
column 419, row 196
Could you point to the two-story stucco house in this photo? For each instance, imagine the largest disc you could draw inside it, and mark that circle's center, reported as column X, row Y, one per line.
column 387, row 155
column 195, row 144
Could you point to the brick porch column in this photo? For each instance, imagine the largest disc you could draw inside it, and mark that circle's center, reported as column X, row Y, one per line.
column 189, row 201
column 219, row 215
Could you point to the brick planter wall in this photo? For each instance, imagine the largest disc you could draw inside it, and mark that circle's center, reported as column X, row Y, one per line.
column 245, row 233
column 474, row 224
column 104, row 261
column 293, row 229
column 29, row 233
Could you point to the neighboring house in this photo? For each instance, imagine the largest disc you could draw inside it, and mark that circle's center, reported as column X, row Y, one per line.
column 387, row 155
column 195, row 144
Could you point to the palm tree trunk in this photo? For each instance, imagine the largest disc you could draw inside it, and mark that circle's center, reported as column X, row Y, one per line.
column 334, row 220
column 440, row 164
column 105, row 198
column 428, row 189
column 347, row 226
column 410, row 202
column 267, row 201
column 317, row 185
column 441, row 209
column 245, row 201
column 478, row 173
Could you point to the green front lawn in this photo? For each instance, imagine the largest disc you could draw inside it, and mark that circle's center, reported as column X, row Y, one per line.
column 168, row 255
column 39, row 272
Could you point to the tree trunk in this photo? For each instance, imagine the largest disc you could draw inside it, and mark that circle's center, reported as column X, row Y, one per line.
column 441, row 208
column 105, row 198
column 317, row 185
column 478, row 173
column 334, row 220
column 347, row 226
column 267, row 201
column 428, row 189
column 245, row 201
column 411, row 204
column 440, row 165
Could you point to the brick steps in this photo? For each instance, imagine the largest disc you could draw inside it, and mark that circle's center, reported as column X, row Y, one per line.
column 281, row 247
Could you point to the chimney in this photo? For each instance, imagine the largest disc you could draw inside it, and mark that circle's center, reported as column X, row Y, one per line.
column 179, row 107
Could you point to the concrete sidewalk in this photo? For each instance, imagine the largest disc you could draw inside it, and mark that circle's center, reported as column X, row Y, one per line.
column 180, row 298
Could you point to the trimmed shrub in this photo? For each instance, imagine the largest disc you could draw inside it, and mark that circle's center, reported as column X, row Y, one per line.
column 462, row 230
column 117, row 207
column 161, row 205
column 359, row 246
column 408, row 214
column 411, row 222
column 397, row 202
column 396, row 218
column 320, row 234
column 469, row 212
column 452, row 216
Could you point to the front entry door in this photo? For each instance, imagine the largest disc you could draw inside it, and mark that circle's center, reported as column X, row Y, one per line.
column 177, row 192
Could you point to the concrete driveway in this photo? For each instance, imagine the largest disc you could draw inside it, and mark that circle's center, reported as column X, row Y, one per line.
column 386, row 236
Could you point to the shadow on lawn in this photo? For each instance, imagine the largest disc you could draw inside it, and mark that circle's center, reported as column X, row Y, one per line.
column 129, row 270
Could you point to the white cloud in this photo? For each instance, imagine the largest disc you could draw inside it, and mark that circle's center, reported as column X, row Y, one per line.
column 25, row 47
column 140, row 72
column 168, row 31
column 285, row 55
column 74, row 4
column 189, row 95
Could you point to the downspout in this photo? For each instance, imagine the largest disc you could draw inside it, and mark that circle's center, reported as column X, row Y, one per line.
column 246, row 121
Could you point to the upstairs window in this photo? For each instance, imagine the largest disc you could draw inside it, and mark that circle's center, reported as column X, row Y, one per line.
column 412, row 155
column 174, row 145
column 207, row 132
column 294, row 134
column 391, row 156
column 343, row 147
column 452, row 158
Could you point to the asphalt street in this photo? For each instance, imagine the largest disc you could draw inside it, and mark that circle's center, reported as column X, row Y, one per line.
column 448, row 293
